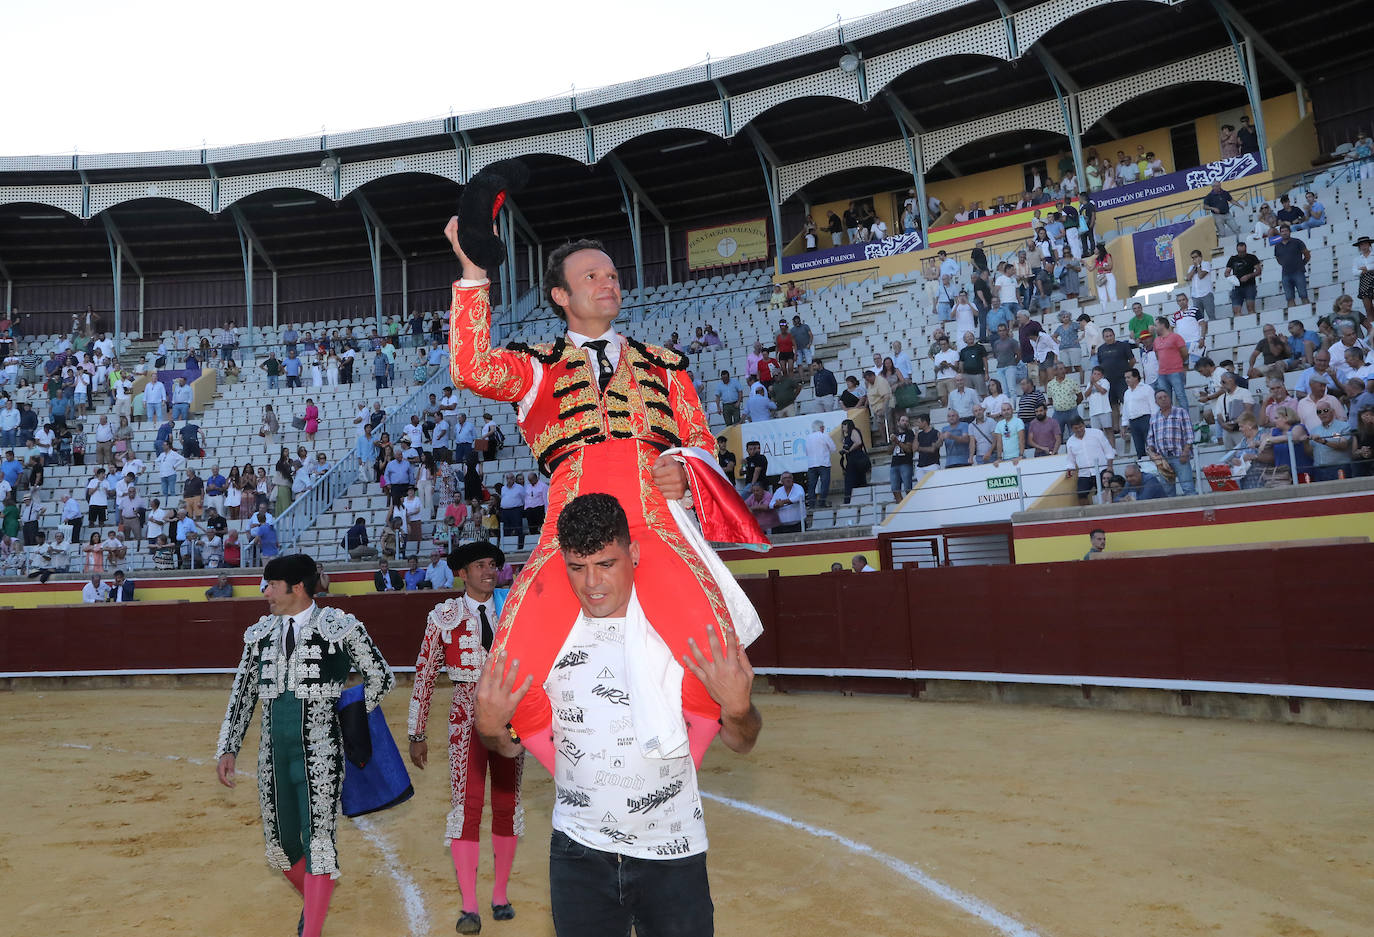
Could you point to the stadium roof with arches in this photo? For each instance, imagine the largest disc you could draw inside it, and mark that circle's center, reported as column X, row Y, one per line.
column 960, row 86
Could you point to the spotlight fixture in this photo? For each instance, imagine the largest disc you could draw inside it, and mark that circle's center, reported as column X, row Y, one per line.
column 849, row 63
column 330, row 164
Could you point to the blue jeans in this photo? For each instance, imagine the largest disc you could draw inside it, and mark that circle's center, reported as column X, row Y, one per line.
column 169, row 486
column 7, row 438
column 1294, row 283
column 1175, row 383
column 1306, row 225
column 181, row 411
column 272, row 381
column 595, row 894
column 1063, row 418
column 818, row 483
column 154, row 411
column 1184, row 470
column 1010, row 387
column 902, row 476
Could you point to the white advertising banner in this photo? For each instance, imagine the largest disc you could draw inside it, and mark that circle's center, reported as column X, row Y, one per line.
column 784, row 441
column 980, row 494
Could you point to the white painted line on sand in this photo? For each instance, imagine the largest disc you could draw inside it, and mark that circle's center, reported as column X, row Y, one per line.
column 416, row 913
column 985, row 912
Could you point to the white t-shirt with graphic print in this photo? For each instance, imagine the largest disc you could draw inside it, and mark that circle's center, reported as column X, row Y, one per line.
column 610, row 796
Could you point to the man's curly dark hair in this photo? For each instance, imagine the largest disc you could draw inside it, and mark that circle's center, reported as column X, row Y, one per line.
column 554, row 275
column 590, row 523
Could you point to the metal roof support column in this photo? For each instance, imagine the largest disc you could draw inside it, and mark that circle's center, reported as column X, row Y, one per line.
column 116, row 268
column 116, row 239
column 729, row 122
column 907, row 122
column 668, row 252
column 629, row 203
column 1228, row 13
column 635, row 196
column 248, row 245
column 140, row 305
column 768, row 161
column 374, row 254
column 375, row 226
column 1068, row 106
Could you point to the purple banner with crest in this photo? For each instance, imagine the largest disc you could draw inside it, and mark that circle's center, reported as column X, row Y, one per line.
column 1154, row 253
column 1199, row 177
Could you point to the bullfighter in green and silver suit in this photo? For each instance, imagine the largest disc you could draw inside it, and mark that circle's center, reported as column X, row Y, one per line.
column 296, row 661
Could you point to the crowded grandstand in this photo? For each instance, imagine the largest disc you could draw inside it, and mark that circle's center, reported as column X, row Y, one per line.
column 984, row 237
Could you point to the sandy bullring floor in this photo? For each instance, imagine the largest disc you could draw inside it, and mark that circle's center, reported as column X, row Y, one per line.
column 960, row 820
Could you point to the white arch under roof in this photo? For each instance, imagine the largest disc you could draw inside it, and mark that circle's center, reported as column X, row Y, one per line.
column 310, row 179
column 1220, row 65
column 446, row 164
column 64, row 197
column 708, row 117
column 891, row 155
column 1046, row 116
column 571, row 144
column 1033, row 23
column 989, row 39
column 197, row 192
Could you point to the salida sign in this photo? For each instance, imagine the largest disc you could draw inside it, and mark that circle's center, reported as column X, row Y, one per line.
column 1001, row 488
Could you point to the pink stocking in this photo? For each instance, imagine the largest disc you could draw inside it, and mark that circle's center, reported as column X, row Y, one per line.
column 466, row 852
column 503, row 851
column 296, row 876
column 700, row 733
column 318, row 889
column 540, row 745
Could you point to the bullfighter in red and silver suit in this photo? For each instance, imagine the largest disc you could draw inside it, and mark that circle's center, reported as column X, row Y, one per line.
column 458, row 635
column 605, row 413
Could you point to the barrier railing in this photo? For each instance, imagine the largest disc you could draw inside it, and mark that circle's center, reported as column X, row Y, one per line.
column 308, row 507
column 1346, row 171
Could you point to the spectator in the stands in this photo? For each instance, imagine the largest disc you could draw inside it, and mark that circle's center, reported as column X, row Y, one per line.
column 1315, row 214
column 878, row 393
column 759, row 502
column 1009, row 437
column 1142, row 487
column 1170, row 442
column 222, row 589
column 1320, row 392
column 728, row 393
column 154, row 399
column 757, row 405
column 789, row 500
column 1246, row 268
column 182, row 395
column 387, row 579
column 1042, row 434
column 438, row 575
column 414, row 575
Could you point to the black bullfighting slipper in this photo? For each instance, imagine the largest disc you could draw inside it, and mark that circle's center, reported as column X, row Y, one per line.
column 300, row 926
column 469, row 922
column 503, row 912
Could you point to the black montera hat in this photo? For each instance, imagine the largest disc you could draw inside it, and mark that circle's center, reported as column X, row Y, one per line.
column 470, row 553
column 291, row 569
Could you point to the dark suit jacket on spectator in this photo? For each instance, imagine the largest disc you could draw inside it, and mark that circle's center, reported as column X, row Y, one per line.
column 126, row 592
column 397, row 580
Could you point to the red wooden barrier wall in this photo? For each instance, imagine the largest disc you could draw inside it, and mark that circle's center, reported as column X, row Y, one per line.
column 1289, row 616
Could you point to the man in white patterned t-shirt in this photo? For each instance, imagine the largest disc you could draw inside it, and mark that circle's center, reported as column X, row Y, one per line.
column 629, row 836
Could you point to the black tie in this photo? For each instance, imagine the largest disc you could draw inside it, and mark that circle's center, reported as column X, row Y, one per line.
column 487, row 634
column 290, row 636
column 603, row 363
